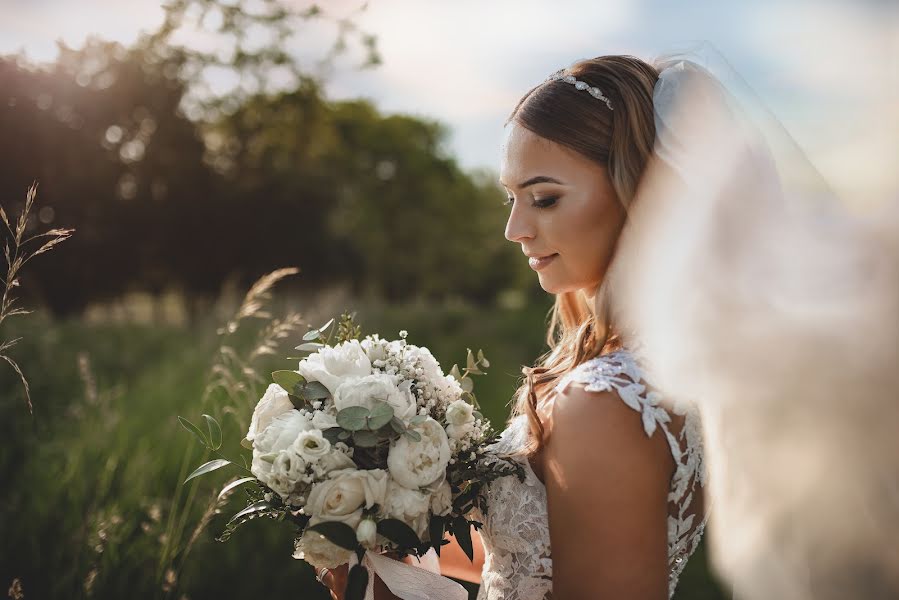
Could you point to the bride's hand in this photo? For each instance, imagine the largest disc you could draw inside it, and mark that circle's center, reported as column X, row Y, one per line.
column 336, row 579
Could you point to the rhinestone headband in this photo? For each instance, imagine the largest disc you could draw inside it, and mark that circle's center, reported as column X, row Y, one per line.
column 581, row 85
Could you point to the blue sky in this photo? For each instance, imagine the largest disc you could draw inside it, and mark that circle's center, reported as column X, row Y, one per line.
column 829, row 70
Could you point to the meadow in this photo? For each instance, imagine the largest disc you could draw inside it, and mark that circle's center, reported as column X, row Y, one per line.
column 93, row 505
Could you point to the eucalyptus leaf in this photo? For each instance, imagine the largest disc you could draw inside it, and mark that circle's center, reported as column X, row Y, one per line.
column 234, row 484
column 337, row 533
column 380, row 415
column 365, row 438
column 470, row 363
column 412, row 435
column 418, row 419
column 287, row 379
column 344, row 435
column 194, row 430
column 246, row 444
column 457, row 375
column 467, row 384
column 312, row 334
column 310, row 347
column 482, row 359
column 212, row 465
column 352, row 418
column 356, row 583
column 397, row 425
column 215, row 432
column 399, row 533
column 313, row 390
column 332, row 434
column 477, row 415
column 253, row 508
column 462, row 533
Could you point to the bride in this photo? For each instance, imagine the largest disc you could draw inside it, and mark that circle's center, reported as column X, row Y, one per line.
column 612, row 502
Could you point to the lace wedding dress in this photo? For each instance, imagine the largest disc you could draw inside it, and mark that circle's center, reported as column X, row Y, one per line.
column 516, row 540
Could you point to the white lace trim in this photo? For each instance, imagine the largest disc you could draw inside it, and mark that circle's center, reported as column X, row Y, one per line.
column 516, row 539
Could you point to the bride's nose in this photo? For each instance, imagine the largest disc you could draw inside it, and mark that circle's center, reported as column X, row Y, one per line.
column 519, row 227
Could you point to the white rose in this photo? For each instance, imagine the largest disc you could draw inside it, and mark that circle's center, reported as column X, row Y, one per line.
column 315, row 549
column 330, row 366
column 416, row 464
column 457, row 432
column 365, row 391
column 366, row 533
column 459, row 412
column 334, row 461
column 323, row 420
column 343, row 495
column 442, row 499
column 274, row 402
column 311, row 445
column 409, row 506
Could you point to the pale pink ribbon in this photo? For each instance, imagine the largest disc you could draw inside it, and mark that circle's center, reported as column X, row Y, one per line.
column 411, row 582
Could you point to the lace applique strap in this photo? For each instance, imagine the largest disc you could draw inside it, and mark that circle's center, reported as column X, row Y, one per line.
column 619, row 372
column 687, row 516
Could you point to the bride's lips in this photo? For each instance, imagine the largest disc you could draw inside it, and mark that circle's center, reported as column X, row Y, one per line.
column 538, row 263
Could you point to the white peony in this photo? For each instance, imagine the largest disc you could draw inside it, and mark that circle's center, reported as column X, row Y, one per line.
column 365, row 391
column 344, row 494
column 311, row 445
column 416, row 464
column 332, row 365
column 442, row 499
column 273, row 403
column 281, row 432
column 275, row 463
column 459, row 412
column 315, row 549
column 375, row 348
column 409, row 506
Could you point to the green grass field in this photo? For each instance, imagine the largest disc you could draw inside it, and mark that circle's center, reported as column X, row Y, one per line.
column 92, row 505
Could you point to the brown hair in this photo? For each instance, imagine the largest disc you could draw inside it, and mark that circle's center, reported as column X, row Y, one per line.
column 621, row 140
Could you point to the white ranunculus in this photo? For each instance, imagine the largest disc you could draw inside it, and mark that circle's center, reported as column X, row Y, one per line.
column 311, row 445
column 442, row 499
column 315, row 549
column 409, row 506
column 331, row 366
column 416, row 464
column 459, row 412
column 323, row 420
column 344, row 494
column 274, row 402
column 367, row 533
column 366, row 391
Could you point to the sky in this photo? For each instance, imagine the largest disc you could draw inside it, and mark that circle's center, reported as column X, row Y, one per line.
column 829, row 70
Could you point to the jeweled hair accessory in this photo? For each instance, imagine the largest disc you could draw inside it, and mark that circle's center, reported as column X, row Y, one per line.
column 581, row 85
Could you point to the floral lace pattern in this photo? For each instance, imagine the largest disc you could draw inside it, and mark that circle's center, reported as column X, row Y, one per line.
column 518, row 564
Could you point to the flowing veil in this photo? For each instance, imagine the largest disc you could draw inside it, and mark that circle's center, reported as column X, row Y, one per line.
column 755, row 291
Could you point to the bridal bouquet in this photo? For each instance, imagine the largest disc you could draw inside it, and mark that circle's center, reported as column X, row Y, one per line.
column 366, row 447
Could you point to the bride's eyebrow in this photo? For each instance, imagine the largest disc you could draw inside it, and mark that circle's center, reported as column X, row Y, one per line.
column 535, row 180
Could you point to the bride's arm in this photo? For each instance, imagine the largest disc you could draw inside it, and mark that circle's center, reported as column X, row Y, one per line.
column 607, row 487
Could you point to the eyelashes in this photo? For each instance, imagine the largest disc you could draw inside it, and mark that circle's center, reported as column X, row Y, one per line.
column 538, row 202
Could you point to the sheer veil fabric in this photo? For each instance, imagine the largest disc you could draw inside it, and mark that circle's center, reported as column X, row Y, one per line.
column 757, row 293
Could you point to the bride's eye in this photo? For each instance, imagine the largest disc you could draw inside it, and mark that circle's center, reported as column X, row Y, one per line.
column 545, row 202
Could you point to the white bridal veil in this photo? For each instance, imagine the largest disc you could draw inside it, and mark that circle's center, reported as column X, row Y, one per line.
column 753, row 290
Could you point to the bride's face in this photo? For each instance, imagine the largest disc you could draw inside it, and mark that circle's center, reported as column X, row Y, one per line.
column 564, row 210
